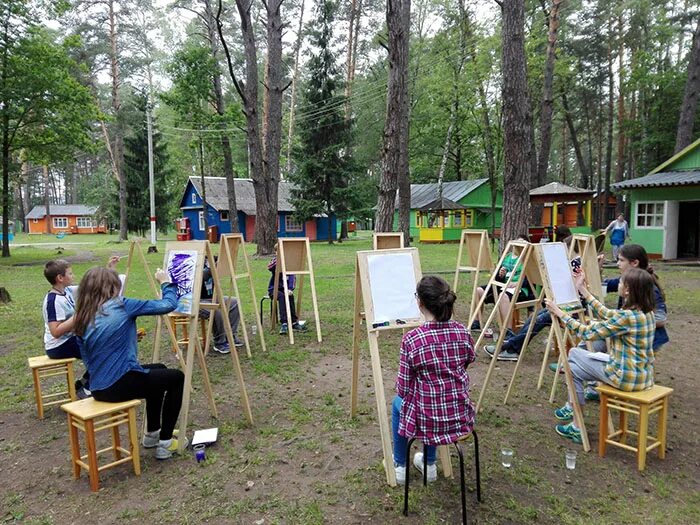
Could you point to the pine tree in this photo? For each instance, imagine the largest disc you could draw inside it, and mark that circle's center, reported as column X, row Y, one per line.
column 323, row 156
column 136, row 172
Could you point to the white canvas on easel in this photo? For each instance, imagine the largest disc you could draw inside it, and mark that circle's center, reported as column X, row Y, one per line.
column 391, row 300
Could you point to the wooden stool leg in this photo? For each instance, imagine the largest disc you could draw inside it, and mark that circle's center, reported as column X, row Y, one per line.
column 603, row 432
column 74, row 447
column 116, row 442
column 92, row 455
column 70, row 377
column 37, row 393
column 663, row 415
column 642, row 441
column 623, row 426
column 134, row 442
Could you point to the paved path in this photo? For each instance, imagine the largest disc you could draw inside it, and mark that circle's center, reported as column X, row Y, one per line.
column 46, row 244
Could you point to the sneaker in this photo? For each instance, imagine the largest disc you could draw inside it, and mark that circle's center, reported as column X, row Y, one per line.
column 553, row 368
column 591, row 394
column 300, row 326
column 284, row 329
column 222, row 349
column 570, row 432
column 476, row 325
column 83, row 393
column 565, row 413
column 504, row 355
column 418, row 463
column 400, row 473
column 166, row 448
column 238, row 343
column 151, row 439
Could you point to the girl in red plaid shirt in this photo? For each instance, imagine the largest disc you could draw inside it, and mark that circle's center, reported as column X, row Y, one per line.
column 433, row 385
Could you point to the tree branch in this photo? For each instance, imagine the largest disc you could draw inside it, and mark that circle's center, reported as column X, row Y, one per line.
column 220, row 30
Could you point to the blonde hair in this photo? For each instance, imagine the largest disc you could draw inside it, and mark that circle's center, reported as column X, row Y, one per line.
column 98, row 286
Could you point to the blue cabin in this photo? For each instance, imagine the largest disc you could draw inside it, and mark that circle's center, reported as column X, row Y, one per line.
column 316, row 229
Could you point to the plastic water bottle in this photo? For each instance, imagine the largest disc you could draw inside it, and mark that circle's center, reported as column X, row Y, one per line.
column 254, row 329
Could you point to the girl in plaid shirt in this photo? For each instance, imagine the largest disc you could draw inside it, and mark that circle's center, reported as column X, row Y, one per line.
column 630, row 364
column 433, row 385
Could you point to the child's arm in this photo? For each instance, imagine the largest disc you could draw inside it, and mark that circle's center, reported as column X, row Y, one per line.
column 60, row 328
column 660, row 312
column 404, row 380
column 168, row 303
column 615, row 325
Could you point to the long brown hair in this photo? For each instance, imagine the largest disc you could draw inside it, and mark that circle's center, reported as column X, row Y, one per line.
column 639, row 285
column 636, row 252
column 98, row 286
column 436, row 296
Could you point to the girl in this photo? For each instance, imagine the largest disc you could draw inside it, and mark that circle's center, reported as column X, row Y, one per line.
column 106, row 326
column 619, row 231
column 631, row 333
column 433, row 385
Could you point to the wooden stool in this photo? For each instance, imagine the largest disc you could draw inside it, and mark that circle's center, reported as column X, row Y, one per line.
column 43, row 366
column 179, row 320
column 92, row 416
column 643, row 404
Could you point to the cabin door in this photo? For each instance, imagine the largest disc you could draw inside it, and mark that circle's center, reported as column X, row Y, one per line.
column 688, row 230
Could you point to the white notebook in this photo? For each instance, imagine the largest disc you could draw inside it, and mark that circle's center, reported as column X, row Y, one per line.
column 206, row 436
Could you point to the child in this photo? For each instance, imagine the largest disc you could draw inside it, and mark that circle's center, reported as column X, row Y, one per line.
column 106, row 326
column 234, row 315
column 619, row 231
column 58, row 309
column 433, row 385
column 291, row 283
column 631, row 333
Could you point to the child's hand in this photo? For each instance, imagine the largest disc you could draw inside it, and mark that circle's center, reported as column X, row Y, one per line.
column 553, row 308
column 113, row 260
column 502, row 272
column 140, row 334
column 580, row 282
column 162, row 276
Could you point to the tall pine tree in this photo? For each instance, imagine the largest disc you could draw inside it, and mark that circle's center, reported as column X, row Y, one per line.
column 323, row 163
column 136, row 173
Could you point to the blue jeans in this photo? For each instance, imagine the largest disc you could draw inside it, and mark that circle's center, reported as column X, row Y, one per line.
column 515, row 343
column 400, row 442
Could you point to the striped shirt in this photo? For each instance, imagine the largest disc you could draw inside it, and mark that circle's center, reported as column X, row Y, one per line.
column 434, row 384
column 631, row 333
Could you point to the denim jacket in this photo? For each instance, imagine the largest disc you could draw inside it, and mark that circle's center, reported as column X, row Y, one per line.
column 108, row 346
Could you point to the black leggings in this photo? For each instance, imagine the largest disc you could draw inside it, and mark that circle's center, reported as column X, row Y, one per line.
column 162, row 389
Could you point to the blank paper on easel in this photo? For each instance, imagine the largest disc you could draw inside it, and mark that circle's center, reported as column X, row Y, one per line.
column 393, row 284
column 559, row 271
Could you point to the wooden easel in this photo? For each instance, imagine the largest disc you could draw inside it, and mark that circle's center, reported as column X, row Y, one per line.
column 293, row 258
column 478, row 254
column 522, row 251
column 203, row 249
column 387, row 241
column 231, row 245
column 363, row 295
column 135, row 247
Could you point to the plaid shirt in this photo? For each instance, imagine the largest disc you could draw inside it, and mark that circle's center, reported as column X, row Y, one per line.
column 434, row 384
column 631, row 333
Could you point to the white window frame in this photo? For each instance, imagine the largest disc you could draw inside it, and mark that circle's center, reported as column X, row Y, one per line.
column 194, row 198
column 200, row 216
column 655, row 214
column 80, row 222
column 62, row 219
column 223, row 215
column 35, row 221
column 291, row 225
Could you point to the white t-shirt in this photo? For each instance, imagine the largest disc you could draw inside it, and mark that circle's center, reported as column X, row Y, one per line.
column 58, row 307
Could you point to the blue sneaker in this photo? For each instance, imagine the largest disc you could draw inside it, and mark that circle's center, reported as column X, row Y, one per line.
column 222, row 349
column 284, row 329
column 569, row 432
column 591, row 394
column 565, row 413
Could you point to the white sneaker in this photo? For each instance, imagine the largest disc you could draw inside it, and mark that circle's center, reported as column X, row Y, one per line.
column 151, row 439
column 418, row 463
column 400, row 475
column 167, row 448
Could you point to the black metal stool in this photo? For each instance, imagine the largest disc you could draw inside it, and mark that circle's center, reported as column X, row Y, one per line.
column 461, row 471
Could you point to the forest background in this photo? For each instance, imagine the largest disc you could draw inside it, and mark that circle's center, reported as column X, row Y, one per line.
column 588, row 91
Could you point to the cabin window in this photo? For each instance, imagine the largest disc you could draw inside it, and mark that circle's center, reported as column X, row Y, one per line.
column 201, row 221
column 35, row 221
column 457, row 219
column 292, row 225
column 650, row 215
column 85, row 222
column 469, row 218
column 194, row 198
column 60, row 222
column 223, row 215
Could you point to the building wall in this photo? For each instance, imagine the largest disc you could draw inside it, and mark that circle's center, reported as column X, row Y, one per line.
column 690, row 160
column 40, row 225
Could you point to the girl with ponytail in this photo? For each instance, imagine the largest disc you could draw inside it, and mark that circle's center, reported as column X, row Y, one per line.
column 433, row 403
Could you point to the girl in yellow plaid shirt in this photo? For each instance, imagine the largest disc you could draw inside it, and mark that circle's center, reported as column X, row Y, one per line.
column 630, row 330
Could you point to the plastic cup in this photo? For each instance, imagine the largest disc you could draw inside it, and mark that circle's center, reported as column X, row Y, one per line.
column 506, row 457
column 200, row 453
column 570, row 456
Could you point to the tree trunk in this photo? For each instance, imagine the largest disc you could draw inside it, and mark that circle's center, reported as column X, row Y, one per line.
column 564, row 156
column 611, row 116
column 517, row 124
column 5, row 184
column 295, row 79
column 118, row 148
column 580, row 161
column 47, row 199
column 547, row 95
column 205, row 205
column 684, row 135
column 395, row 150
column 221, row 111
column 353, row 28
column 266, row 220
column 621, row 139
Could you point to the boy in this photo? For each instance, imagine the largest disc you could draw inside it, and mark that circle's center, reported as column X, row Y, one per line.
column 234, row 317
column 291, row 283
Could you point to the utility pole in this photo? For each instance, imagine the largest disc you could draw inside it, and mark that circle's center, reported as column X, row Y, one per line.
column 151, row 189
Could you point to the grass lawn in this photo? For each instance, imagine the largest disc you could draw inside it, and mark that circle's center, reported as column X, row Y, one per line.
column 304, row 461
